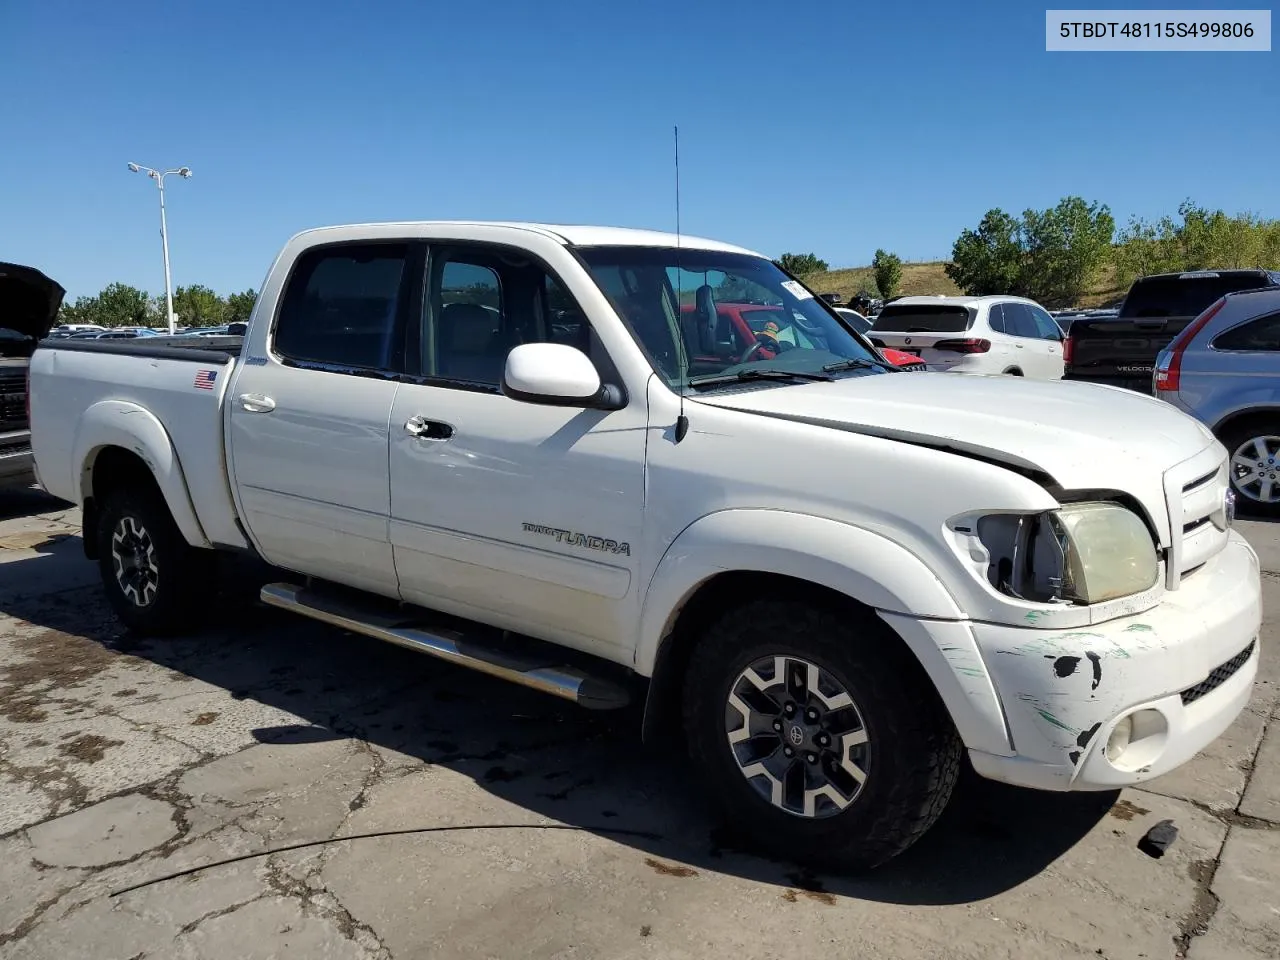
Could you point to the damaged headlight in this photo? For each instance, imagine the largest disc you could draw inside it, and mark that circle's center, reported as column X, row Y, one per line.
column 1079, row 553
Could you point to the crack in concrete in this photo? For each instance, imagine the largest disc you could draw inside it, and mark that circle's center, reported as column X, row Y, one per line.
column 1202, row 872
column 28, row 923
column 187, row 928
column 317, row 900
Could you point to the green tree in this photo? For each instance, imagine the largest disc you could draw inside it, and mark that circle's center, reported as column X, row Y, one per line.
column 888, row 270
column 116, row 305
column 240, row 306
column 802, row 264
column 987, row 260
column 1063, row 249
column 198, row 306
column 1051, row 256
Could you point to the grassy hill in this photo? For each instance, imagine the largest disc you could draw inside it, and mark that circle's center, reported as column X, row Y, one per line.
column 921, row 279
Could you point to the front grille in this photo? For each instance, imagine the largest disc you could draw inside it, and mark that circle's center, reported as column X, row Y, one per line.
column 1198, row 517
column 13, row 401
column 1218, row 676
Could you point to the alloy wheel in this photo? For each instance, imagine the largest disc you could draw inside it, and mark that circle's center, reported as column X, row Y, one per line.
column 1255, row 469
column 797, row 736
column 133, row 557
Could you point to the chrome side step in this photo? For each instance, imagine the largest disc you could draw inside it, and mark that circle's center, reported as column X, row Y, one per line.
column 564, row 681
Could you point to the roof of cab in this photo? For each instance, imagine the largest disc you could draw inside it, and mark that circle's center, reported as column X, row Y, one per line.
column 581, row 235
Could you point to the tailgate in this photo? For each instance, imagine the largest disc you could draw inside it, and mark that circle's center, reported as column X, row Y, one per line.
column 1119, row 352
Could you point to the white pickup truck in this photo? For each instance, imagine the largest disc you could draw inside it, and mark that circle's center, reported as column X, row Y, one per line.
column 539, row 451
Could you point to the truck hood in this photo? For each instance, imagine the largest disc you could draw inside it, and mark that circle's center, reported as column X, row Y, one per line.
column 1081, row 436
column 29, row 300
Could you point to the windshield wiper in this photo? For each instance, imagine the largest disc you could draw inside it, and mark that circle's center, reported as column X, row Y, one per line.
column 750, row 374
column 854, row 364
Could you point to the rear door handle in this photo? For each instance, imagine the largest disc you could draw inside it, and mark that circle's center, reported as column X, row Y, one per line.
column 425, row 429
column 256, row 402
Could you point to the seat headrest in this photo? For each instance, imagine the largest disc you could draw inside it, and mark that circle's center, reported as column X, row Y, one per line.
column 466, row 327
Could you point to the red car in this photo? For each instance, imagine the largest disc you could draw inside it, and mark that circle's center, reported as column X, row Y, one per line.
column 742, row 325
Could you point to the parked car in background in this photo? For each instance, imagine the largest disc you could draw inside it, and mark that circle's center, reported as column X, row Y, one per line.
column 67, row 329
column 906, row 361
column 29, row 303
column 1224, row 370
column 982, row 335
column 1121, row 350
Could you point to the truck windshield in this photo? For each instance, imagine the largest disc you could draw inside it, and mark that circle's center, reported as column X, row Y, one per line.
column 708, row 318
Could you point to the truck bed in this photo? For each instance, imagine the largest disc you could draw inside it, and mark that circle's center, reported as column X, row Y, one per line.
column 180, row 382
column 193, row 349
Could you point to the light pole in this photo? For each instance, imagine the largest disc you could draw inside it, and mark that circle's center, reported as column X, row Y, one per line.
column 158, row 177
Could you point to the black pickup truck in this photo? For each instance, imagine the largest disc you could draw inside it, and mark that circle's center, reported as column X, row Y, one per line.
column 1121, row 350
column 29, row 304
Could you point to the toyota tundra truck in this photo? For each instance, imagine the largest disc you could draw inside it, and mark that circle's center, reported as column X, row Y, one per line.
column 828, row 582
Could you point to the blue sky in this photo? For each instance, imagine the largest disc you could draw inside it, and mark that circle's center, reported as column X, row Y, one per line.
column 835, row 127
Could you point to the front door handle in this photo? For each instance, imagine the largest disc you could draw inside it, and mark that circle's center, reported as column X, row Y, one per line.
column 425, row 429
column 256, row 402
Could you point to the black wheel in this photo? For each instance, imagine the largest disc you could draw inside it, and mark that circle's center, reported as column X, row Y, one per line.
column 817, row 734
column 1254, row 449
column 154, row 579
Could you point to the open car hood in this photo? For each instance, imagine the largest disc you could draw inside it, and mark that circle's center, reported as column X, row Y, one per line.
column 29, row 300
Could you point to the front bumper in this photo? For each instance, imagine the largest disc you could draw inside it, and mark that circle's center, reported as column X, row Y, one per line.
column 1183, row 670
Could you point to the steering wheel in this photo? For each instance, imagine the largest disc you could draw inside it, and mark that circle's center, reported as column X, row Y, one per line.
column 764, row 343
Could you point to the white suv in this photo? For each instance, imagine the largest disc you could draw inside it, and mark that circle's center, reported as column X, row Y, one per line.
column 991, row 335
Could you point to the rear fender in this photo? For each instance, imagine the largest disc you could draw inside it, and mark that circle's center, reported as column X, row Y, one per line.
column 117, row 423
column 852, row 561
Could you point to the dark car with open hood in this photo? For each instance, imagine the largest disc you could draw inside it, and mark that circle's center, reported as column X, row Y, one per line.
column 29, row 303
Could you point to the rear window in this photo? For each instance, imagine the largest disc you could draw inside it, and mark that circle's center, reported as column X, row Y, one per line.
column 923, row 318
column 1185, row 297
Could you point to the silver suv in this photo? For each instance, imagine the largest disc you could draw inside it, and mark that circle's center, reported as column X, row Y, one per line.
column 1224, row 370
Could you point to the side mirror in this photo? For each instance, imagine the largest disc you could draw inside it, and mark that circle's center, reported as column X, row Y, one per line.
column 557, row 375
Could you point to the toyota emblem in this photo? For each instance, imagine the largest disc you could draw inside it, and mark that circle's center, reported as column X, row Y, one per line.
column 797, row 735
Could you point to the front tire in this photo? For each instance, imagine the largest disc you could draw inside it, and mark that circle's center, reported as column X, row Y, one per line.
column 153, row 578
column 817, row 734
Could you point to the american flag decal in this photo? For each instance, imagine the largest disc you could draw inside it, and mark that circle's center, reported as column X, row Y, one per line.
column 205, row 378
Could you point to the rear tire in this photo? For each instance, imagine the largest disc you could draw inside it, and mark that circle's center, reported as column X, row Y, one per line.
column 1249, row 486
column 154, row 579
column 839, row 783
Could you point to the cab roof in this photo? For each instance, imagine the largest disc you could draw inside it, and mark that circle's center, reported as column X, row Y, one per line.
column 580, row 235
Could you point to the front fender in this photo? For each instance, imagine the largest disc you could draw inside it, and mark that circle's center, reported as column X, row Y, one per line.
column 850, row 560
column 118, row 423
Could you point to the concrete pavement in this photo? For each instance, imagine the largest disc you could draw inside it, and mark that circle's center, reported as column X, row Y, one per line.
column 272, row 787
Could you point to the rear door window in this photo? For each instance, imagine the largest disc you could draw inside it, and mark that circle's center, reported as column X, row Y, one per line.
column 1254, row 336
column 340, row 307
column 923, row 318
column 1019, row 321
column 1187, row 295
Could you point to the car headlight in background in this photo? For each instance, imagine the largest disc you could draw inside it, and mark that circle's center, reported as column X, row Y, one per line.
column 1080, row 553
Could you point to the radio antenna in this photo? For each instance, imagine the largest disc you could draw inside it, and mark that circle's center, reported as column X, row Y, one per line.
column 682, row 422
